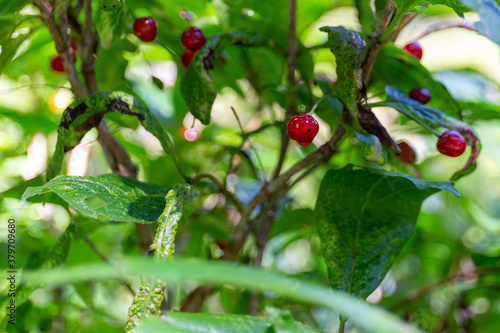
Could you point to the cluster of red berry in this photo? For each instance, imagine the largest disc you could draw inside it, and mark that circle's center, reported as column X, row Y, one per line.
column 192, row 39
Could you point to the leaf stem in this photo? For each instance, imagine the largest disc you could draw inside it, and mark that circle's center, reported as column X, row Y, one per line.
column 396, row 20
column 342, row 324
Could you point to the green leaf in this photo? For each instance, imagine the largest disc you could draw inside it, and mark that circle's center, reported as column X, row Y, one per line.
column 365, row 16
column 366, row 316
column 20, row 26
column 489, row 11
column 420, row 6
column 364, row 218
column 179, row 322
column 85, row 113
column 150, row 296
column 111, row 24
column 197, row 87
column 397, row 68
column 419, row 112
column 347, row 46
column 45, row 260
column 283, row 322
column 115, row 197
column 371, row 148
column 9, row 6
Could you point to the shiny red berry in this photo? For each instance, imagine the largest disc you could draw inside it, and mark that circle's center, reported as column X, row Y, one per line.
column 186, row 57
column 56, row 64
column 414, row 49
column 192, row 38
column 407, row 154
column 145, row 29
column 451, row 144
column 302, row 128
column 421, row 95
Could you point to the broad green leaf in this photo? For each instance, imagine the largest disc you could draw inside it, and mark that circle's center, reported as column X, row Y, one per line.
column 179, row 322
column 347, row 46
column 197, row 87
column 111, row 22
column 51, row 258
column 480, row 111
column 368, row 317
column 371, row 148
column 150, row 296
column 397, row 68
column 115, row 197
column 85, row 113
column 364, row 218
column 489, row 11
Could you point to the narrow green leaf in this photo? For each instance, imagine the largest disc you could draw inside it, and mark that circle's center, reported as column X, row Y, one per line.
column 489, row 11
column 347, row 46
column 362, row 314
column 86, row 113
column 179, row 322
column 364, row 218
column 365, row 15
column 115, row 197
column 150, row 296
column 420, row 6
column 197, row 87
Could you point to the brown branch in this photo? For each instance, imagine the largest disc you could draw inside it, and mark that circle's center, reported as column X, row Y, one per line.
column 446, row 25
column 375, row 45
column 62, row 43
column 221, row 187
column 407, row 18
column 89, row 48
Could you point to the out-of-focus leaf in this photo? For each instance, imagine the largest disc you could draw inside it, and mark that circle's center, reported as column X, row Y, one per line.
column 397, row 68
column 115, row 197
column 371, row 148
column 110, row 66
column 283, row 322
column 9, row 7
column 489, row 11
column 368, row 317
column 364, row 218
column 85, row 113
column 420, row 6
column 16, row 30
column 111, row 22
column 45, row 260
column 479, row 111
column 347, row 46
column 197, row 87
column 179, row 322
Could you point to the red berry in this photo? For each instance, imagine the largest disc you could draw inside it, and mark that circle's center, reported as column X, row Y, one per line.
column 186, row 57
column 302, row 128
column 56, row 64
column 421, row 95
column 451, row 144
column 407, row 154
column 192, row 38
column 145, row 29
column 414, row 49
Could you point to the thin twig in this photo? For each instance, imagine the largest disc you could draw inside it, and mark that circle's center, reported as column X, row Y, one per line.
column 87, row 54
column 447, row 25
column 103, row 258
column 245, row 136
column 221, row 187
column 375, row 45
column 407, row 18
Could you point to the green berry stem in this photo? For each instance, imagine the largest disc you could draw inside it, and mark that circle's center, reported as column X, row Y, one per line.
column 319, row 101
